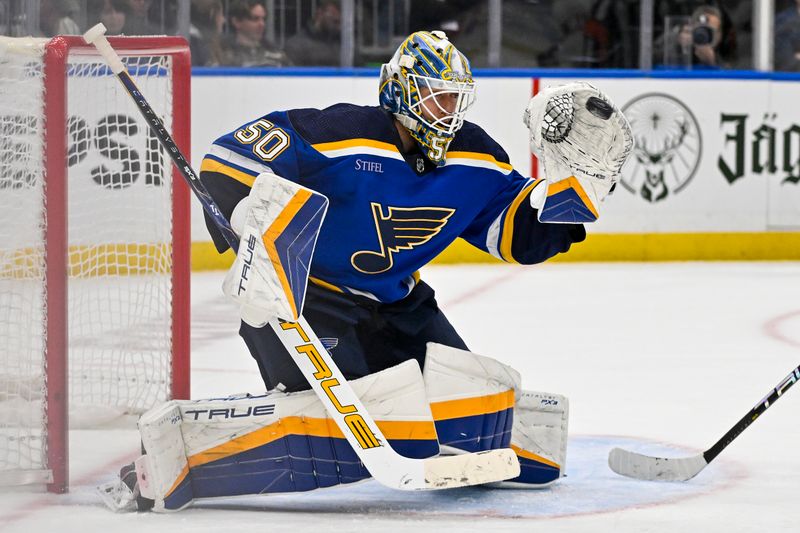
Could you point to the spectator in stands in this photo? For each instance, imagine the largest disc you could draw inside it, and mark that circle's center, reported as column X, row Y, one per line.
column 246, row 47
column 205, row 33
column 320, row 42
column 138, row 22
column 112, row 13
column 55, row 17
column 787, row 38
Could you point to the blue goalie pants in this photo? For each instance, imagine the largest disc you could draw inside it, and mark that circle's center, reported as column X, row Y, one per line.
column 363, row 336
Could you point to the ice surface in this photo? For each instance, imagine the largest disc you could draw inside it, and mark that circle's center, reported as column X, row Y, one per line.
column 657, row 358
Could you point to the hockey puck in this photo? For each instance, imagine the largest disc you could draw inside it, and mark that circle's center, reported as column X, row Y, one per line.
column 599, row 108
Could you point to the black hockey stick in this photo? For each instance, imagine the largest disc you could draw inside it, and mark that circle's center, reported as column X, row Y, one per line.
column 640, row 466
column 344, row 407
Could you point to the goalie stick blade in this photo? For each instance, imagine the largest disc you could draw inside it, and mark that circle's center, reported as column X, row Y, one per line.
column 638, row 466
column 470, row 469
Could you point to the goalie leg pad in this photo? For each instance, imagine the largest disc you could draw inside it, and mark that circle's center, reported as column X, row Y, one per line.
column 472, row 399
column 539, row 439
column 279, row 442
column 477, row 404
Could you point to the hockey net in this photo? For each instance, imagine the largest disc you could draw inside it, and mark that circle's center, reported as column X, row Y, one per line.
column 94, row 237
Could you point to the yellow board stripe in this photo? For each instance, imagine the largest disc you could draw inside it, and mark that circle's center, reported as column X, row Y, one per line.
column 312, row 427
column 533, row 457
column 479, row 156
column 274, row 231
column 91, row 260
column 762, row 245
column 354, row 143
column 508, row 226
column 212, row 165
column 478, row 405
column 572, row 183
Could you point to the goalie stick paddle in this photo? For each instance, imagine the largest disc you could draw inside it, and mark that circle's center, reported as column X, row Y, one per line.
column 639, row 466
column 383, row 463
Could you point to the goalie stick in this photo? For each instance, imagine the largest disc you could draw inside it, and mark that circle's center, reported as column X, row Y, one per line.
column 639, row 466
column 383, row 463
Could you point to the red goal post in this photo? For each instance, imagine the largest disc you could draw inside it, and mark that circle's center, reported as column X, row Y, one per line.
column 94, row 256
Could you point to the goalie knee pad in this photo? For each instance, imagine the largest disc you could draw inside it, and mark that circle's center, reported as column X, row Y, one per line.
column 477, row 404
column 278, row 442
column 472, row 398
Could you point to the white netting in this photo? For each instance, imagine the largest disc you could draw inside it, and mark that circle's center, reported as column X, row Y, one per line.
column 22, row 257
column 119, row 235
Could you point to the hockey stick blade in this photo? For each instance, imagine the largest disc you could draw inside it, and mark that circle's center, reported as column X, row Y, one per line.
column 383, row 463
column 645, row 467
column 467, row 469
column 638, row 466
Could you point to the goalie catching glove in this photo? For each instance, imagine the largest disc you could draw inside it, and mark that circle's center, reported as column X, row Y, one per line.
column 582, row 141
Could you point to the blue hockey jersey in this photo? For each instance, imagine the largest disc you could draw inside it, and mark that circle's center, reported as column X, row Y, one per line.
column 390, row 212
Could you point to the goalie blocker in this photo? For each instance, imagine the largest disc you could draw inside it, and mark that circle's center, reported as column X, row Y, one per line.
column 285, row 442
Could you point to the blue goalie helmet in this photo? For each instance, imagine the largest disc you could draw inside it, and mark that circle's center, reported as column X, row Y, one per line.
column 428, row 87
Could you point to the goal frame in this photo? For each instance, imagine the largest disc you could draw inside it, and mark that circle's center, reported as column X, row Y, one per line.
column 56, row 60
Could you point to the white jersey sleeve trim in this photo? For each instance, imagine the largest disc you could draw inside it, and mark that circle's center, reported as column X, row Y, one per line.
column 362, row 150
column 478, row 160
column 493, row 236
column 238, row 160
column 350, row 147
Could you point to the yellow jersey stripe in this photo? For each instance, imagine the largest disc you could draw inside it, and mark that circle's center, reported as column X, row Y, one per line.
column 354, row 143
column 480, row 157
column 212, row 165
column 508, row 225
column 313, row 427
column 325, row 284
column 478, row 405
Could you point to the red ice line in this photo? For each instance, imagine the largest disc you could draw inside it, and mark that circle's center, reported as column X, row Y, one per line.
column 772, row 328
column 46, row 501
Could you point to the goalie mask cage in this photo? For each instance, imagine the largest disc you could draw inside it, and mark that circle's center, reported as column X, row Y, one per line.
column 94, row 245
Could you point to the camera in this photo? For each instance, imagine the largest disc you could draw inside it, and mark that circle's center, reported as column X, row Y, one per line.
column 702, row 32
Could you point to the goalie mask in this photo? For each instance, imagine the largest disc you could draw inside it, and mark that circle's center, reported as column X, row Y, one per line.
column 428, row 87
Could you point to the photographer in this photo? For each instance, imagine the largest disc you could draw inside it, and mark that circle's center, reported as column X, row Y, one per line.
column 707, row 39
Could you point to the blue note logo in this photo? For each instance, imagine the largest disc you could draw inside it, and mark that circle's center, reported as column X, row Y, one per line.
column 402, row 228
column 329, row 343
